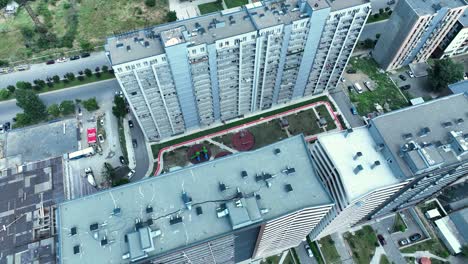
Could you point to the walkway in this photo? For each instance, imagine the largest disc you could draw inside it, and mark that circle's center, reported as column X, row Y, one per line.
column 342, row 248
column 420, row 254
column 379, row 251
column 221, row 145
column 249, row 124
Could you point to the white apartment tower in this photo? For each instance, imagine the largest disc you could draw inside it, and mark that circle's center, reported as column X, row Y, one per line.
column 200, row 72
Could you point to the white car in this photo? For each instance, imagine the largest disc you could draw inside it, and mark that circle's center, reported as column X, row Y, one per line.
column 60, row 60
column 101, row 121
column 308, row 250
column 410, row 73
column 130, row 174
column 2, row 129
column 101, row 138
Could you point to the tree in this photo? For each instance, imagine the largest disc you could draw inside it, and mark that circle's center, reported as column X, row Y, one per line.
column 32, row 105
column 11, row 88
column 53, row 110
column 368, row 43
column 98, row 74
column 464, row 250
column 80, row 78
column 22, row 120
column 4, row 94
column 91, row 104
column 443, row 73
column 4, row 63
column 70, row 76
column 376, row 16
column 56, row 79
column 104, row 68
column 171, row 16
column 377, row 36
column 67, row 107
column 150, row 3
column 88, row 72
column 85, row 45
column 39, row 83
column 24, row 85
column 97, row 69
column 381, row 11
column 119, row 109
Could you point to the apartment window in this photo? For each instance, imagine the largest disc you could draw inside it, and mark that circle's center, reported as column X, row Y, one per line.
column 128, row 68
column 244, row 38
column 119, row 69
column 163, row 58
column 194, row 51
column 138, row 65
column 220, row 45
column 202, row 49
column 145, row 63
column 252, row 37
column 226, row 43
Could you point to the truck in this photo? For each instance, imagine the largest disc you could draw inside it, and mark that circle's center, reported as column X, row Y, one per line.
column 90, row 177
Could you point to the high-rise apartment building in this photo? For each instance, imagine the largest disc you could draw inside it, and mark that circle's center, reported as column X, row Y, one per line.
column 414, row 31
column 202, row 71
column 398, row 160
column 244, row 206
column 455, row 42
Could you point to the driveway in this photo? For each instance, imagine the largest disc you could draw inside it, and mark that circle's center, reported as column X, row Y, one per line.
column 344, row 104
column 303, row 256
column 418, row 85
column 42, row 71
column 412, row 227
column 391, row 248
column 141, row 152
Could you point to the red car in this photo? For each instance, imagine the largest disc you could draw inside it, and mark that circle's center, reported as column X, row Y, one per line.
column 381, row 240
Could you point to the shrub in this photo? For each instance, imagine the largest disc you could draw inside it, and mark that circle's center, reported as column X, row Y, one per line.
column 67, row 107
column 88, row 72
column 91, row 104
column 56, row 79
column 4, row 94
column 3, row 63
column 97, row 69
column 171, row 16
column 150, row 3
column 23, row 85
column 11, row 88
column 80, row 78
column 105, row 68
column 98, row 74
column 70, row 76
column 376, row 16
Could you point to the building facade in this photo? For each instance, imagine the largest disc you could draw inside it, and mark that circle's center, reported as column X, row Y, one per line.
column 242, row 207
column 199, row 72
column 456, row 41
column 415, row 30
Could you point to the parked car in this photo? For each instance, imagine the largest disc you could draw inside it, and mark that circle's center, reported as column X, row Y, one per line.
column 410, row 73
column 350, row 71
column 119, row 93
column 381, row 240
column 391, row 2
column 49, row 62
column 101, row 121
column 350, row 88
column 135, row 143
column 85, row 54
column 101, row 138
column 308, row 250
column 130, row 123
column 353, row 110
column 402, row 77
column 7, row 126
column 405, row 87
column 122, row 160
column 62, row 59
column 2, row 129
column 130, row 174
column 76, row 57
column 415, row 237
column 403, row 242
column 79, row 111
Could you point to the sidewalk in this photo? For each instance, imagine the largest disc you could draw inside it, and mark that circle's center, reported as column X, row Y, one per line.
column 128, row 141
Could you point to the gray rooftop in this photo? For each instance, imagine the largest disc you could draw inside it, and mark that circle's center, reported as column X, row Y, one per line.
column 428, row 135
column 460, row 220
column 428, row 7
column 261, row 200
column 464, row 18
column 208, row 28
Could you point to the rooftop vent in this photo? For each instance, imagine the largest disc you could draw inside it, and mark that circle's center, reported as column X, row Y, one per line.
column 199, row 210
column 277, row 151
column 264, row 210
column 149, row 221
column 222, row 187
column 289, row 170
column 149, row 209
column 187, row 200
column 244, row 174
column 73, row 231
column 104, row 241
column 447, row 124
column 375, row 164
column 119, row 45
column 116, row 211
column 380, row 147
column 424, row 131
column 129, row 48
column 349, row 130
column 459, row 121
column 288, row 188
column 76, row 249
column 258, row 196
column 138, row 223
column 358, row 169
column 357, row 155
column 146, row 43
column 94, row 227
column 175, row 220
column 239, row 194
column 258, row 177
column 407, row 136
column 267, row 176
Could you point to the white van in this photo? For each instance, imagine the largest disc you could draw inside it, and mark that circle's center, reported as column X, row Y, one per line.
column 358, row 88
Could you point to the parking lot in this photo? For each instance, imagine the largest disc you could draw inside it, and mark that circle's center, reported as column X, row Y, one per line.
column 411, row 228
column 419, row 85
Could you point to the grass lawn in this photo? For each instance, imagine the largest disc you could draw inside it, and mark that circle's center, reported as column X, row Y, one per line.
column 315, row 251
column 267, row 133
column 123, row 144
column 433, row 245
column 380, row 17
column 177, row 157
column 399, row 225
column 329, row 250
column 271, row 260
column 385, row 90
column 323, row 111
column 363, row 244
column 210, row 7
column 155, row 148
column 234, row 3
column 384, row 260
column 303, row 122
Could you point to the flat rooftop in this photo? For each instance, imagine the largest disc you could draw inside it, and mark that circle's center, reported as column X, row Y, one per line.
column 460, row 220
column 207, row 29
column 427, row 7
column 464, row 18
column 278, row 179
column 429, row 125
column 342, row 150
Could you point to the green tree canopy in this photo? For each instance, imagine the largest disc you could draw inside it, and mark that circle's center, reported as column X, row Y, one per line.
column 171, row 16
column 32, row 105
column 23, row 85
column 53, row 110
column 91, row 104
column 443, row 73
column 119, row 109
column 67, row 107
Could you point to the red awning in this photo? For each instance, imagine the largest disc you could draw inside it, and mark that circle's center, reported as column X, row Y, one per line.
column 91, row 135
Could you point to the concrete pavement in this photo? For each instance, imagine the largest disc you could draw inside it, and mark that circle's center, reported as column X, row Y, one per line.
column 342, row 248
column 344, row 104
column 391, row 248
column 42, row 71
column 303, row 256
column 372, row 29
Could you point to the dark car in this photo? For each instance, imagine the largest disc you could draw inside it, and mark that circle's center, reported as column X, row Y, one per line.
column 405, row 87
column 381, row 240
column 76, row 57
column 135, row 143
column 402, row 77
column 130, row 123
column 7, row 126
column 122, row 160
column 84, row 55
column 350, row 88
column 353, row 110
column 50, row 62
column 350, row 71
column 415, row 237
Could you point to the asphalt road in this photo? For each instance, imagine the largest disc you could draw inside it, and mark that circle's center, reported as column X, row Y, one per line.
column 42, row 71
column 344, row 104
column 370, row 30
column 141, row 153
column 303, row 256
column 391, row 249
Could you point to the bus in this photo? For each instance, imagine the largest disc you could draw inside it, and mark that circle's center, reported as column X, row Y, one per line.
column 81, row 153
column 358, row 88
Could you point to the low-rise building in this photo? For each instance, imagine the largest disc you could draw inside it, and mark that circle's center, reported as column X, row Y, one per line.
column 453, row 230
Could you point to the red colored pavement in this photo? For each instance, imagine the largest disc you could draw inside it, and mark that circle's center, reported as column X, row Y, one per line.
column 327, row 104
